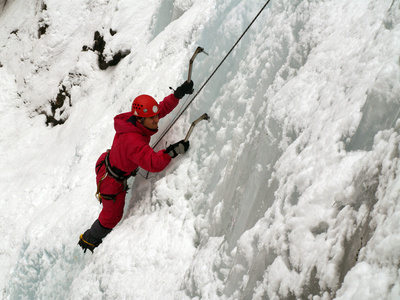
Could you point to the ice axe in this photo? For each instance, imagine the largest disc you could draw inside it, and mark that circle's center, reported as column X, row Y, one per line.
column 198, row 50
column 202, row 117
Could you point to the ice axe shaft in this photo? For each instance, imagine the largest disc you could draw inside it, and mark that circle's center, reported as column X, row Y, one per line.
column 198, row 50
column 202, row 117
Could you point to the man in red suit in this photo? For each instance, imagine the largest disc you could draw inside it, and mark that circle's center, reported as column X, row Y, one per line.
column 130, row 150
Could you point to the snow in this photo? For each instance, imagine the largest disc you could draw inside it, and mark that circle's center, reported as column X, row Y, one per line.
column 290, row 192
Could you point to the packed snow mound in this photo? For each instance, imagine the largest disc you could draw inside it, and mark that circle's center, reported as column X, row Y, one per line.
column 290, row 192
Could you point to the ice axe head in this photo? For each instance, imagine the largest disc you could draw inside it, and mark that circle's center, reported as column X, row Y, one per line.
column 198, row 50
column 202, row 117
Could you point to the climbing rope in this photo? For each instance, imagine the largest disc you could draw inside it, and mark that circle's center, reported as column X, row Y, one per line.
column 208, row 79
column 186, row 105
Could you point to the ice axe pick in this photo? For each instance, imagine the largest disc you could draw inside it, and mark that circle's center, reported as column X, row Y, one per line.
column 202, row 117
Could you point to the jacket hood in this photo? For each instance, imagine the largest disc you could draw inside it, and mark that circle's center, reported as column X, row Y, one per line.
column 122, row 124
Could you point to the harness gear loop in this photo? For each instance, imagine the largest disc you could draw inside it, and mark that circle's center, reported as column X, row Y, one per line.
column 114, row 172
column 98, row 195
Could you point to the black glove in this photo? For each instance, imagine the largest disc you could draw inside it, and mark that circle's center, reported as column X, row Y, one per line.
column 177, row 148
column 185, row 88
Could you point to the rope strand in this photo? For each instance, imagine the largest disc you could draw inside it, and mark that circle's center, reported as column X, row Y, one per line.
column 208, row 79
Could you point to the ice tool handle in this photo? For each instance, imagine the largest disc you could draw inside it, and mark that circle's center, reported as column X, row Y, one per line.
column 202, row 117
column 198, row 50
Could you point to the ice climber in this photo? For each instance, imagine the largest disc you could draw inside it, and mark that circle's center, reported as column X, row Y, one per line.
column 130, row 149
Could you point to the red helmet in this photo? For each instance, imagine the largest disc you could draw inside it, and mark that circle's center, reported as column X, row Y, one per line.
column 144, row 106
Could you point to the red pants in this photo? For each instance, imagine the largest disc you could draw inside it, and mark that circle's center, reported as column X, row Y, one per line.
column 112, row 210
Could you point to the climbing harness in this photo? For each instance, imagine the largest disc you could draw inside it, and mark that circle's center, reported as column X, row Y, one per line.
column 114, row 173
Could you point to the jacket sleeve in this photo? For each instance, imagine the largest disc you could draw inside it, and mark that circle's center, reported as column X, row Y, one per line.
column 144, row 156
column 167, row 105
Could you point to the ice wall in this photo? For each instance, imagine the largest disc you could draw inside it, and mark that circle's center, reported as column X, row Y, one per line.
column 290, row 192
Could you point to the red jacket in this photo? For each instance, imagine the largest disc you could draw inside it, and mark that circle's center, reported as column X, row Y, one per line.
column 130, row 147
